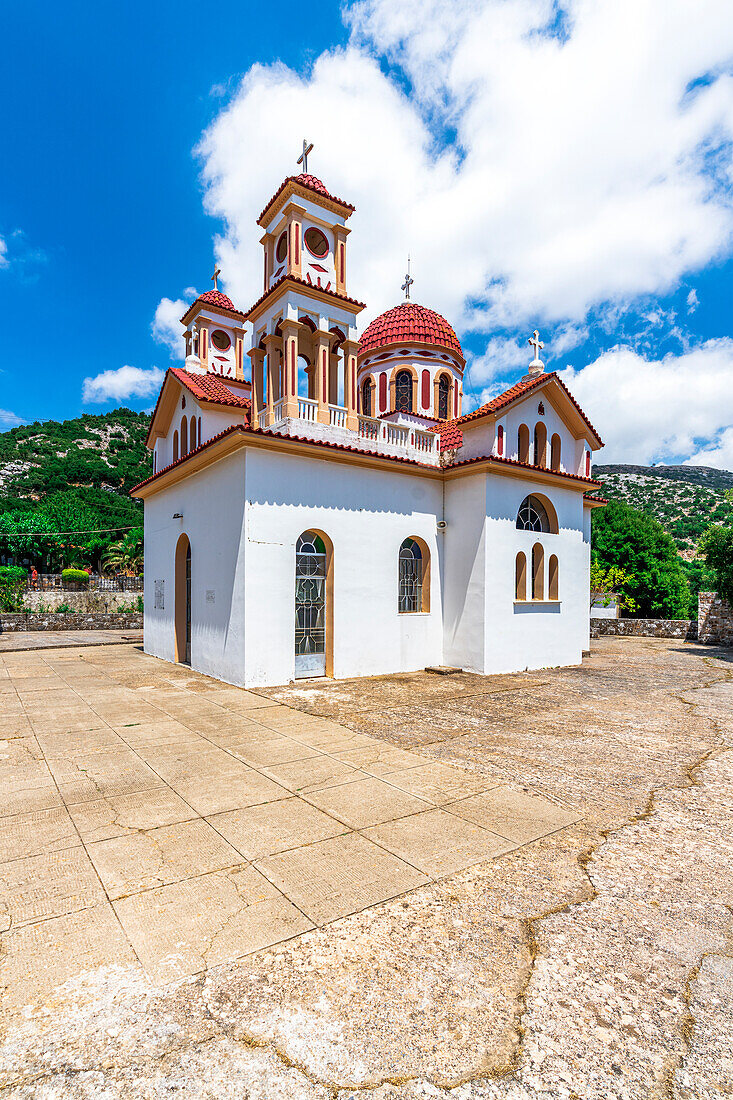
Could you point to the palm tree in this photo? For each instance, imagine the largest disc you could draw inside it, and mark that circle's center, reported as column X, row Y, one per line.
column 127, row 553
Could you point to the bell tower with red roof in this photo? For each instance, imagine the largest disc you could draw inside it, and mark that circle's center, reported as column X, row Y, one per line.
column 304, row 323
column 214, row 334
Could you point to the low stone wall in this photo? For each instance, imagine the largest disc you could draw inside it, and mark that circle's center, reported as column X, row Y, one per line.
column 70, row 621
column 685, row 629
column 94, row 602
column 714, row 619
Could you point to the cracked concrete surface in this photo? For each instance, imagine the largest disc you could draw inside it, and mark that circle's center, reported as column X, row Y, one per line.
column 596, row 961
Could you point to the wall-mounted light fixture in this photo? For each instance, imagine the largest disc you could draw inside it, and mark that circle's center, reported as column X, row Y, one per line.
column 178, row 515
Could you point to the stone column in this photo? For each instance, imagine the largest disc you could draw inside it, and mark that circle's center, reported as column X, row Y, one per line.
column 349, row 349
column 290, row 367
column 257, row 358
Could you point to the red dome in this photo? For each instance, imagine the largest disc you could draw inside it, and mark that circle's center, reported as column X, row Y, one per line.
column 409, row 322
column 216, row 298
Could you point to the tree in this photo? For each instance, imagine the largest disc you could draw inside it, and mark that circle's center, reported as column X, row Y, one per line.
column 606, row 583
column 716, row 546
column 12, row 587
column 127, row 552
column 637, row 543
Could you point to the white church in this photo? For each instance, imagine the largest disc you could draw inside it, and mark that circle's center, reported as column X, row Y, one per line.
column 319, row 506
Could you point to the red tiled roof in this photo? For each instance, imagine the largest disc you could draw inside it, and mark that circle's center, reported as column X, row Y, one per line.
column 494, row 459
column 450, row 436
column 597, row 500
column 216, row 298
column 409, row 322
column 311, row 183
column 519, row 390
column 210, row 387
column 305, row 283
column 247, row 430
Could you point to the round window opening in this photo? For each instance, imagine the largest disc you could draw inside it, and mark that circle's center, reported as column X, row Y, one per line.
column 220, row 340
column 281, row 249
column 315, row 241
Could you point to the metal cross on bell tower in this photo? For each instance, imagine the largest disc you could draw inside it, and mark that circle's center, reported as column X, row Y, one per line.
column 303, row 158
column 215, row 277
column 408, row 282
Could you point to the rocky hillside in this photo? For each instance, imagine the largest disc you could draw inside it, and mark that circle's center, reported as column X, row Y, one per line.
column 95, row 458
column 685, row 499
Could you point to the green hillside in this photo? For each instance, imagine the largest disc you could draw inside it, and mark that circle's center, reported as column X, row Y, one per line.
column 70, row 476
column 685, row 499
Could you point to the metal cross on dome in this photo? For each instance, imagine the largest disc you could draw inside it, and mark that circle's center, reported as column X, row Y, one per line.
column 536, row 344
column 215, row 277
column 408, row 282
column 303, row 158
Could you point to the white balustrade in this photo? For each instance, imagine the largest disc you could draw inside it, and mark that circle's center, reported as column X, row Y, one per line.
column 277, row 410
column 262, row 418
column 337, row 416
column 396, row 434
column 307, row 409
column 370, row 428
column 427, row 442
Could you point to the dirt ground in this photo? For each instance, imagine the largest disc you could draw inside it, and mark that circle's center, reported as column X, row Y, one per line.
column 593, row 962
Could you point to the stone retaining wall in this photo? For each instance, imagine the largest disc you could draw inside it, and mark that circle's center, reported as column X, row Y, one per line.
column 715, row 619
column 94, row 602
column 684, row 629
column 30, row 620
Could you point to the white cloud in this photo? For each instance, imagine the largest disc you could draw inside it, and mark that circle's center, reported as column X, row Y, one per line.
column 121, row 384
column 4, row 261
column 718, row 453
column 692, row 301
column 166, row 327
column 660, row 410
column 9, row 420
column 582, row 170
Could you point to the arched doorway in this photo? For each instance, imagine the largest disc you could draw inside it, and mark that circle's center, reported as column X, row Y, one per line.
column 183, row 601
column 313, row 605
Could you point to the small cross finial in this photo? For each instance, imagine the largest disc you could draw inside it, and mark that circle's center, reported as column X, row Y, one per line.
column 303, row 158
column 537, row 344
column 215, row 277
column 408, row 281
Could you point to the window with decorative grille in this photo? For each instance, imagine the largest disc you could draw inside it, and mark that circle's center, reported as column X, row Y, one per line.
column 411, row 574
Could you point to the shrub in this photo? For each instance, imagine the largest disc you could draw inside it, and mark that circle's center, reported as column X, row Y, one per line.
column 12, row 586
column 63, row 609
column 716, row 546
column 73, row 578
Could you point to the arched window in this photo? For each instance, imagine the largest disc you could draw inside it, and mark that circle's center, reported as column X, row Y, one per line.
column 538, row 572
column 175, row 446
column 587, row 463
column 366, row 397
column 532, row 515
column 552, row 585
column 403, row 391
column 443, row 397
column 414, row 577
column 155, row 462
column 555, row 449
column 520, row 577
column 500, row 440
column 523, row 443
column 540, row 445
column 184, row 436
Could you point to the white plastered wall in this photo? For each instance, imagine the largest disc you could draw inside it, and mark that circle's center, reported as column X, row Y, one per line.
column 252, row 510
column 212, row 505
column 486, row 629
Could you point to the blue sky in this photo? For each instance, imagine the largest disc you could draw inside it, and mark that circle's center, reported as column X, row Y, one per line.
column 567, row 168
